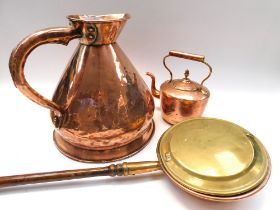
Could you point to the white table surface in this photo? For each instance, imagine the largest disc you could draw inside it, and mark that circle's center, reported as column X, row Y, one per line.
column 26, row 146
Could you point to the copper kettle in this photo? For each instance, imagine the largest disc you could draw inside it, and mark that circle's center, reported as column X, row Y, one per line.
column 181, row 99
column 102, row 109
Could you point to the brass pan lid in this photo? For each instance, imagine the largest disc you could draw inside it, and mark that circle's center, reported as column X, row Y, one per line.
column 213, row 157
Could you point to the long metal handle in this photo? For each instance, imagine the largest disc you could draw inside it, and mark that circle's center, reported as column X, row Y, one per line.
column 188, row 56
column 61, row 35
column 123, row 169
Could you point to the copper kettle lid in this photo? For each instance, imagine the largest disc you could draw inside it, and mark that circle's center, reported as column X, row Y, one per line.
column 185, row 84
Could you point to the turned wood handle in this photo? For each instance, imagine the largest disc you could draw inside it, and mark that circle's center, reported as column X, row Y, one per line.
column 122, row 169
column 185, row 55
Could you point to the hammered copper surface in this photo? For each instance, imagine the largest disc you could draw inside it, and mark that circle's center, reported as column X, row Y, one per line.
column 102, row 108
column 181, row 99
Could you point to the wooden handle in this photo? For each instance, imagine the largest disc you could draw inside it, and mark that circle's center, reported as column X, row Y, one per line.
column 123, row 169
column 185, row 55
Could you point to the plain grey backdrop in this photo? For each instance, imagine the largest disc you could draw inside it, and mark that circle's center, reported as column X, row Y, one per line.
column 240, row 39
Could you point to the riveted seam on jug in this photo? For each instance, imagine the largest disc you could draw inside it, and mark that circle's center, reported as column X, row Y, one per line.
column 90, row 34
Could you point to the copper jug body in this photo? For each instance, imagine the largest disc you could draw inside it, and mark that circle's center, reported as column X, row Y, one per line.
column 181, row 99
column 102, row 109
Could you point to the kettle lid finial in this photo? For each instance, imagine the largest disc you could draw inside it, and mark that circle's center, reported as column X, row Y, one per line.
column 187, row 73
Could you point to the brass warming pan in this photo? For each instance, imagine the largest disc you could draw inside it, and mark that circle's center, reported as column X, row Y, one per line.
column 206, row 157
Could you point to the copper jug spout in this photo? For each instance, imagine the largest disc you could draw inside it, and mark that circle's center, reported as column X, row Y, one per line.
column 154, row 90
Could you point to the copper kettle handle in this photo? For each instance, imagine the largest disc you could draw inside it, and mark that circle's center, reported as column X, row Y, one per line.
column 59, row 35
column 189, row 56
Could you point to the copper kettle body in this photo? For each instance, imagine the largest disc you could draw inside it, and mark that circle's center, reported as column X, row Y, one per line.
column 181, row 99
column 102, row 109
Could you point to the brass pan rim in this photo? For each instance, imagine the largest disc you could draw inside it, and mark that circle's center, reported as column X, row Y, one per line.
column 225, row 198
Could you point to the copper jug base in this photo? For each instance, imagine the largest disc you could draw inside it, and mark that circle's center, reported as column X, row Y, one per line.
column 87, row 155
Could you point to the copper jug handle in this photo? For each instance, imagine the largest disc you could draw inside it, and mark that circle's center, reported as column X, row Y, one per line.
column 59, row 35
column 188, row 56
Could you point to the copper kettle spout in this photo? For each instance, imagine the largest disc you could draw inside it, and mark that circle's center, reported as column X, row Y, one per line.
column 154, row 90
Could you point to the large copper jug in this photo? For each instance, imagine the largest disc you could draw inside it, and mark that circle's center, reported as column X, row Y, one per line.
column 102, row 109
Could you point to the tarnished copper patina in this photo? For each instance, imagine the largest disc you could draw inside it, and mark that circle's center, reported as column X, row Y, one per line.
column 210, row 158
column 102, row 109
column 181, row 99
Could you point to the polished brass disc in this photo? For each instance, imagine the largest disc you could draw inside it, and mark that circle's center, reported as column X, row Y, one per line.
column 213, row 157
